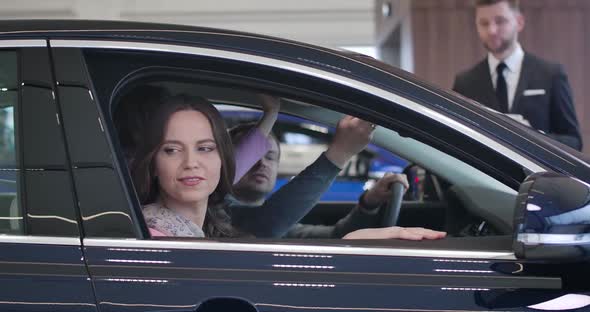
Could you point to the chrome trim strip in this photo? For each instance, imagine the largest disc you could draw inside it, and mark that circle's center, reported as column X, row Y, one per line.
column 282, row 41
column 45, row 240
column 21, row 43
column 307, row 249
column 554, row 239
column 527, row 163
column 285, row 307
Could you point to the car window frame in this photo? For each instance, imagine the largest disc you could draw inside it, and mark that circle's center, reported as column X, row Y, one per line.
column 524, row 161
column 527, row 163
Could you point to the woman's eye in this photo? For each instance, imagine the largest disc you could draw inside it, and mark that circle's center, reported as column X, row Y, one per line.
column 206, row 149
column 171, row 150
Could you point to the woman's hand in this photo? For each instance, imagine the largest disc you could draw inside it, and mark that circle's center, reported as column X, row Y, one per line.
column 396, row 232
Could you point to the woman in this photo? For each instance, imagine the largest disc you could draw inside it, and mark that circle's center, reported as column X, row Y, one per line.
column 185, row 169
column 135, row 107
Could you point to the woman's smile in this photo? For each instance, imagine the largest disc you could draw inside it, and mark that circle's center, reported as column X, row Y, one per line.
column 191, row 180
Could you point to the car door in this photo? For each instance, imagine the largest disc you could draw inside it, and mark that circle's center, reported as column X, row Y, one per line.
column 42, row 267
column 132, row 272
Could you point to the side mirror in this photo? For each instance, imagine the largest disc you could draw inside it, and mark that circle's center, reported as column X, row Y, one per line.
column 552, row 218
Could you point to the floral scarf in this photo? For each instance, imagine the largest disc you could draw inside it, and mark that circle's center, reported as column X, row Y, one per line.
column 169, row 222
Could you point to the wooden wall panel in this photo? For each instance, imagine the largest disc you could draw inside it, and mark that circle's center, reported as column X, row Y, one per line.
column 446, row 42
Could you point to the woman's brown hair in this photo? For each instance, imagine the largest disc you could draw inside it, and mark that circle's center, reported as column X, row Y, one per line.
column 217, row 221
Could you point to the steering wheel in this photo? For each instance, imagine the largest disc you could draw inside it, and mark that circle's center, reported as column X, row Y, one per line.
column 391, row 213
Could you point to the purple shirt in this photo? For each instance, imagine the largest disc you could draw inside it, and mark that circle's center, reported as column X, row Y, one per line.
column 251, row 148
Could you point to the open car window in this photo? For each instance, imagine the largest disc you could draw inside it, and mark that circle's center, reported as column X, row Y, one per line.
column 478, row 187
column 302, row 141
column 304, row 131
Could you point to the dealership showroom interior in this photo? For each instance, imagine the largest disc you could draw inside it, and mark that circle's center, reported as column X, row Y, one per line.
column 435, row 152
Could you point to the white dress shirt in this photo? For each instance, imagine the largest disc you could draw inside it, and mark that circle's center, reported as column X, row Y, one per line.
column 511, row 73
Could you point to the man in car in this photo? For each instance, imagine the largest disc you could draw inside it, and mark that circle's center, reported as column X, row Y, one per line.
column 253, row 188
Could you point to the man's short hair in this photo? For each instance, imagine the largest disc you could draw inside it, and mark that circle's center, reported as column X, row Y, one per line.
column 513, row 4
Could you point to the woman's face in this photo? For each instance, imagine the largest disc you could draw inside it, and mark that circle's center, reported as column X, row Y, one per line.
column 188, row 164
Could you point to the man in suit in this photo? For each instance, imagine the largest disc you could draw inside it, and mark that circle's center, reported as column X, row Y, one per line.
column 512, row 81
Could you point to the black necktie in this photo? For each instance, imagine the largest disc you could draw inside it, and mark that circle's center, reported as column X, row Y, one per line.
column 501, row 89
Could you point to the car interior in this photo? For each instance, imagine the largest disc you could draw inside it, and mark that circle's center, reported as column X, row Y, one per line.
column 460, row 199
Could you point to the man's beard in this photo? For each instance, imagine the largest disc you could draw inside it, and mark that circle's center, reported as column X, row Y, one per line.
column 504, row 46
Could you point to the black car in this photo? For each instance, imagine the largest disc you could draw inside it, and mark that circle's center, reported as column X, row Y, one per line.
column 513, row 202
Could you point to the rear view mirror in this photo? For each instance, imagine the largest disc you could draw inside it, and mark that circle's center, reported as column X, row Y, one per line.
column 552, row 218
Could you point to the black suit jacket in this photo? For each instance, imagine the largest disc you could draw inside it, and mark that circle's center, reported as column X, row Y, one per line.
column 552, row 112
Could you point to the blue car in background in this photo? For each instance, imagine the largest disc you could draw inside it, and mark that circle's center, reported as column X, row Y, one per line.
column 302, row 141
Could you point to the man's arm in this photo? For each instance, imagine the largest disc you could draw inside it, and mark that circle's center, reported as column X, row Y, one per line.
column 456, row 86
column 368, row 211
column 271, row 106
column 366, row 214
column 311, row 231
column 359, row 217
column 289, row 204
column 295, row 199
column 249, row 150
column 254, row 145
column 564, row 123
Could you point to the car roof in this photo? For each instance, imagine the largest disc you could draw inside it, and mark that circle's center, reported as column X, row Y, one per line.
column 350, row 65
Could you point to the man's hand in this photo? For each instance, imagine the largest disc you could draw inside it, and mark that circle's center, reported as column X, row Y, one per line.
column 396, row 232
column 271, row 107
column 352, row 136
column 380, row 192
column 519, row 118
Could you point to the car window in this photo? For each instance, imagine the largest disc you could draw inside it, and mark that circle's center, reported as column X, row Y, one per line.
column 10, row 215
column 104, row 207
column 480, row 190
column 36, row 190
column 302, row 141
